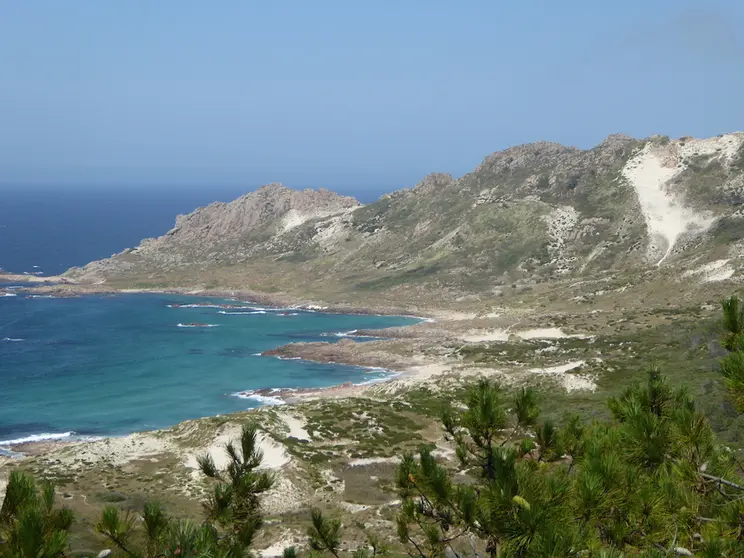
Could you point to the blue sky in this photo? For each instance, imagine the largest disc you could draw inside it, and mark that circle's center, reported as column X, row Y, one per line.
column 344, row 94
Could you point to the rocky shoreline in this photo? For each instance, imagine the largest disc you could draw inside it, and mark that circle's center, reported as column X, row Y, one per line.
column 344, row 351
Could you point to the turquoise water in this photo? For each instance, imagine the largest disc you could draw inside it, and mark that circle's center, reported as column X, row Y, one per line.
column 111, row 365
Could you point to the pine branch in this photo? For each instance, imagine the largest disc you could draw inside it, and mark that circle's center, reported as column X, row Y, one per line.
column 417, row 547
column 721, row 481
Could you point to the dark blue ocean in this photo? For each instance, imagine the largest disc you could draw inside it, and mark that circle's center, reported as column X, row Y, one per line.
column 111, row 365
column 49, row 230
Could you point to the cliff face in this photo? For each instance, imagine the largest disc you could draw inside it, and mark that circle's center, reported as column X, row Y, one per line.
column 270, row 210
column 528, row 215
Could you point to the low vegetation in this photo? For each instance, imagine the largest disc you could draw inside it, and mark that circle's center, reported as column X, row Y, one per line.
column 647, row 478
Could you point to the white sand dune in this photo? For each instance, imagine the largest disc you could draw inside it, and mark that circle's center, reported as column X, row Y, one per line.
column 571, row 382
column 502, row 335
column 651, row 172
column 296, row 427
column 274, row 454
column 277, row 549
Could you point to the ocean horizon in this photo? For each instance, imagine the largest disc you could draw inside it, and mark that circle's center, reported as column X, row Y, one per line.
column 47, row 230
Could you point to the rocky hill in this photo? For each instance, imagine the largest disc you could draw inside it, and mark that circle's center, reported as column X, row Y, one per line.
column 530, row 215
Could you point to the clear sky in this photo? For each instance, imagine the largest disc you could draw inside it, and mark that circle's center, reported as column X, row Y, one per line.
column 347, row 94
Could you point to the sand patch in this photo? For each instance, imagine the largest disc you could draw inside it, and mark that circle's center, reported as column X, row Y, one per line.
column 116, row 451
column 570, row 382
column 496, row 335
column 296, row 427
column 549, row 333
column 712, row 272
column 363, row 462
column 425, row 372
column 277, row 549
column 294, row 218
column 274, row 454
column 216, row 450
column 503, row 335
column 285, row 496
column 650, row 173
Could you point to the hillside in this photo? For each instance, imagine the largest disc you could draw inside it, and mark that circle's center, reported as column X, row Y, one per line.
column 530, row 215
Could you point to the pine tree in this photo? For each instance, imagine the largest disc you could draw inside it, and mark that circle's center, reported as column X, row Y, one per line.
column 652, row 481
column 732, row 366
column 30, row 526
column 234, row 505
column 233, row 512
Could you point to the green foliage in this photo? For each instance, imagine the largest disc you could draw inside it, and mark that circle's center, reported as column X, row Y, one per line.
column 733, row 322
column 732, row 365
column 652, row 481
column 30, row 526
column 234, row 505
column 324, row 535
column 233, row 512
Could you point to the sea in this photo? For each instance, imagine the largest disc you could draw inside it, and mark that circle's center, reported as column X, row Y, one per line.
column 109, row 365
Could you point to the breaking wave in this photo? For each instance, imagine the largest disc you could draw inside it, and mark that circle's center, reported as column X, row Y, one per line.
column 352, row 334
column 205, row 305
column 262, row 399
column 225, row 313
column 43, row 437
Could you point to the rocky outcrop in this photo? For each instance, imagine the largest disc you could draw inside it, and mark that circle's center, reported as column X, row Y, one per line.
column 346, row 351
column 221, row 223
column 434, row 182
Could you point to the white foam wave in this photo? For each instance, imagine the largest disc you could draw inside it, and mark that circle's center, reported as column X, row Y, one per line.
column 195, row 305
column 263, row 399
column 197, row 325
column 351, row 333
column 212, row 305
column 12, row 340
column 377, row 369
column 225, row 313
column 43, row 437
column 8, row 294
column 378, row 380
column 41, row 296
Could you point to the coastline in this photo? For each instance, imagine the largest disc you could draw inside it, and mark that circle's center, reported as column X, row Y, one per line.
column 288, row 398
column 62, row 287
column 341, row 352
